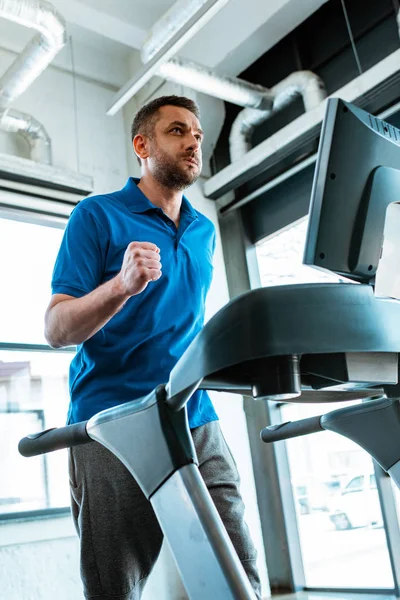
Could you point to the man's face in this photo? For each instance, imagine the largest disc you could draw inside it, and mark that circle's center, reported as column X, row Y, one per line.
column 175, row 158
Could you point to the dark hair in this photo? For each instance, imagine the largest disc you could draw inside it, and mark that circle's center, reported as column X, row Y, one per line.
column 146, row 118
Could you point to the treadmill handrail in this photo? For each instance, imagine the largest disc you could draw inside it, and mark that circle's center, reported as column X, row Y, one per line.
column 53, row 439
column 297, row 319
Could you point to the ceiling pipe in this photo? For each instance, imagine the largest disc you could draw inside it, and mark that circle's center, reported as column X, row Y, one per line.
column 169, row 43
column 193, row 75
column 259, row 102
column 300, row 83
column 169, row 24
column 31, row 130
column 231, row 89
column 34, row 58
column 39, row 52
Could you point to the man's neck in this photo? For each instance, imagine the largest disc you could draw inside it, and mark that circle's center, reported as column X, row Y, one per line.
column 168, row 200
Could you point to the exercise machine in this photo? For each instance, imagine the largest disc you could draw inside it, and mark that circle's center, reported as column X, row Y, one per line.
column 294, row 343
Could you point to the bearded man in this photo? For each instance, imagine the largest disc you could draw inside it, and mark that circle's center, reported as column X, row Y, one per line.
column 129, row 289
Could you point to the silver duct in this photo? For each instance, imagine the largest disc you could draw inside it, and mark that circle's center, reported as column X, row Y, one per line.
column 204, row 80
column 34, row 133
column 174, row 19
column 301, row 83
column 196, row 76
column 39, row 52
column 260, row 102
column 35, row 57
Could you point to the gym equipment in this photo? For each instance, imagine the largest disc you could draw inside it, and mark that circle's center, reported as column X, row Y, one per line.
column 296, row 343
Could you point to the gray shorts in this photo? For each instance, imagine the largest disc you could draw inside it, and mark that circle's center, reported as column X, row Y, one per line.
column 119, row 533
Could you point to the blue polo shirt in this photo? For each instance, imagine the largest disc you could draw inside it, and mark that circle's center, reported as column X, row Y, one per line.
column 137, row 349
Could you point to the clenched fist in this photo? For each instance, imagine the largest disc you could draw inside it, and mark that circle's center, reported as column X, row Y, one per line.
column 141, row 265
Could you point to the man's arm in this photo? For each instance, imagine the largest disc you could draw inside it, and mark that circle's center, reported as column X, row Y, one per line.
column 70, row 321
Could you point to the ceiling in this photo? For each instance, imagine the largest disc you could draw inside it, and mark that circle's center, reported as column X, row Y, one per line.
column 106, row 34
column 141, row 13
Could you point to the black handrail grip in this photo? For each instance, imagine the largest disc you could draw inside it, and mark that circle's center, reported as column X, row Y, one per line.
column 283, row 431
column 54, row 439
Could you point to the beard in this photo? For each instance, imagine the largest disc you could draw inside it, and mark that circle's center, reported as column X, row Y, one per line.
column 171, row 173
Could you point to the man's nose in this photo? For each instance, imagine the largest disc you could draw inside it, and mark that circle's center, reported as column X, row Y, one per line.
column 193, row 143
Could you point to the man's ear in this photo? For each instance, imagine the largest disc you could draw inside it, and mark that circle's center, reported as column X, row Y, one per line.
column 140, row 146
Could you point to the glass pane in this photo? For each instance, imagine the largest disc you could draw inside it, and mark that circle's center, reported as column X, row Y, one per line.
column 28, row 252
column 33, row 396
column 338, row 511
column 280, row 258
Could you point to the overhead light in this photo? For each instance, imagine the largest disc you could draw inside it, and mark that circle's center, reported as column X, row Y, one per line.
column 181, row 37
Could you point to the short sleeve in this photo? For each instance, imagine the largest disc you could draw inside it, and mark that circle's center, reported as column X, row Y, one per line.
column 81, row 258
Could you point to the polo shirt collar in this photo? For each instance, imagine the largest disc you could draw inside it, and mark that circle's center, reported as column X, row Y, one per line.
column 139, row 203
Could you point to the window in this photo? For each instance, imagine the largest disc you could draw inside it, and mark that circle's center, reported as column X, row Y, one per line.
column 33, row 377
column 339, row 516
column 338, row 512
column 28, row 252
column 280, row 258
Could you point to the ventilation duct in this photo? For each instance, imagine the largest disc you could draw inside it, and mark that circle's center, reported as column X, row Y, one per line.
column 39, row 52
column 195, row 76
column 301, row 83
column 169, row 35
column 35, row 57
column 168, row 26
column 35, row 134
column 373, row 90
column 21, row 178
column 260, row 102
column 206, row 81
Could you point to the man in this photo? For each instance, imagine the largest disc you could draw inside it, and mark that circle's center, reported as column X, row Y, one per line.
column 129, row 288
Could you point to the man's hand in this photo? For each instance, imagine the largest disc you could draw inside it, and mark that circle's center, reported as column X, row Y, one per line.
column 141, row 265
column 71, row 321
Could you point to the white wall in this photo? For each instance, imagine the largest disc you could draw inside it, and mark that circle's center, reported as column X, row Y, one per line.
column 45, row 569
column 39, row 560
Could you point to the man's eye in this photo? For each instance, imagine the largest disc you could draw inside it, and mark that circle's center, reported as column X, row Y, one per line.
column 177, row 129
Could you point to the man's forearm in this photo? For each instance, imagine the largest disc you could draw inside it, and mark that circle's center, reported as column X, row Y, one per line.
column 75, row 320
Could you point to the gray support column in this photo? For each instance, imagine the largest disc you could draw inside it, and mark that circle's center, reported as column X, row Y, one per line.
column 270, row 464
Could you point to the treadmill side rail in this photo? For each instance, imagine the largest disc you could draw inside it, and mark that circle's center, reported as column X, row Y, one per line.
column 148, row 438
column 203, row 551
column 374, row 425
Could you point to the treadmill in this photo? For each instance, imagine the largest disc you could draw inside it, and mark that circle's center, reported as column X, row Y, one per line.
column 295, row 343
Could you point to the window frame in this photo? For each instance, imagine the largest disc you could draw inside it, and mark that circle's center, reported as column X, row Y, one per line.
column 48, row 511
column 34, row 216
